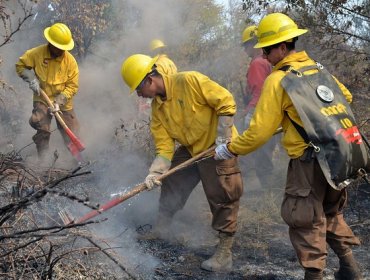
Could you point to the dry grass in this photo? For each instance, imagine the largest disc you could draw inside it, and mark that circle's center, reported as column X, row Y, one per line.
column 34, row 243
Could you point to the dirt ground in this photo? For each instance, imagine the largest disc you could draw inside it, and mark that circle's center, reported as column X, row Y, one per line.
column 262, row 249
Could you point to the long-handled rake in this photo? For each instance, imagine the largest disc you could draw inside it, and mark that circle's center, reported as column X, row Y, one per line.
column 67, row 218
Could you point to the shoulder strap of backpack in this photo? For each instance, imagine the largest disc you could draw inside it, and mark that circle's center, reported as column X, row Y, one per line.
column 299, row 128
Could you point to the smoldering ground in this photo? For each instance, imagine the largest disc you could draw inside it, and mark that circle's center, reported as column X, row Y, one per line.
column 101, row 104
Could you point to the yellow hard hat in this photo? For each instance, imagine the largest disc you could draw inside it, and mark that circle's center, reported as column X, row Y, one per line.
column 135, row 68
column 59, row 36
column 275, row 28
column 249, row 33
column 156, row 44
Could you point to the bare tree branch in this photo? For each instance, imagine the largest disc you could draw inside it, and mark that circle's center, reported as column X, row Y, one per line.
column 8, row 20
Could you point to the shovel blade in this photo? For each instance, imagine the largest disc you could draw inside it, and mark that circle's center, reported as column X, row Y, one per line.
column 75, row 152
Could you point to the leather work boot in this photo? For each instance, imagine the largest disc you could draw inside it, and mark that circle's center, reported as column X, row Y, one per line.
column 222, row 260
column 41, row 139
column 313, row 274
column 348, row 269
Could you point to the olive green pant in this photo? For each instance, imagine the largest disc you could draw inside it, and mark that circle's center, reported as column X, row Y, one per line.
column 313, row 211
column 222, row 184
column 41, row 121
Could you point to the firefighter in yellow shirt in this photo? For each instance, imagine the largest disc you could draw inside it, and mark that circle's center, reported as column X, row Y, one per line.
column 190, row 109
column 53, row 69
column 322, row 140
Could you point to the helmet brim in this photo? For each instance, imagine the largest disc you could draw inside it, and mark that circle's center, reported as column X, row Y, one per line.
column 159, row 47
column 272, row 42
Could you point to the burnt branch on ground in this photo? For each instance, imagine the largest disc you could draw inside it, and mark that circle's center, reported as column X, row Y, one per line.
column 34, row 242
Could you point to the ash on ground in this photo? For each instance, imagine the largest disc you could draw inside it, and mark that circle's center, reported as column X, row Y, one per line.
column 112, row 247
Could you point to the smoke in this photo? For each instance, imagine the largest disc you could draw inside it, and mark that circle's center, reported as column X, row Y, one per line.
column 102, row 102
column 158, row 19
column 104, row 99
column 18, row 98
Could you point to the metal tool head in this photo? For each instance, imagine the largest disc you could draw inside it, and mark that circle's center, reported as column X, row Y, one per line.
column 66, row 217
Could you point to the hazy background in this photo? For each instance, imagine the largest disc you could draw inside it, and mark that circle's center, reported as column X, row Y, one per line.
column 103, row 103
column 201, row 35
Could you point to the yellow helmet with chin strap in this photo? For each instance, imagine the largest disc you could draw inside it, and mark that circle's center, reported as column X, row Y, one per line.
column 249, row 33
column 135, row 68
column 59, row 36
column 276, row 28
column 156, row 44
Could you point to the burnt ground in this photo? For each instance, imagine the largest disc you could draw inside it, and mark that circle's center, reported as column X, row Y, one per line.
column 262, row 249
column 257, row 255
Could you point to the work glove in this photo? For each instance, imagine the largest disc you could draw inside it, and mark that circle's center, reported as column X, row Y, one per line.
column 59, row 100
column 35, row 86
column 55, row 109
column 29, row 76
column 223, row 153
column 151, row 181
column 224, row 129
column 159, row 166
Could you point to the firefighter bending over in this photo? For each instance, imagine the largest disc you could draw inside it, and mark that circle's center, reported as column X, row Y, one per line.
column 194, row 111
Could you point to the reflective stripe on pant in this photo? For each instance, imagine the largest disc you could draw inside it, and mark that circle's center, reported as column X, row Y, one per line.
column 41, row 120
column 222, row 184
column 313, row 211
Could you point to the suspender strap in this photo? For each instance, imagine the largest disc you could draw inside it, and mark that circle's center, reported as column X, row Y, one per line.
column 288, row 68
column 285, row 68
column 300, row 130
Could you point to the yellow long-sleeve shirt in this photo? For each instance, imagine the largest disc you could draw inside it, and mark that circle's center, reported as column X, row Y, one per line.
column 271, row 112
column 56, row 75
column 190, row 113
